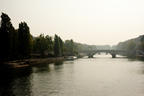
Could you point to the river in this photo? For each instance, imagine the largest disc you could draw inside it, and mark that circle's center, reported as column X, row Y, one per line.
column 99, row 76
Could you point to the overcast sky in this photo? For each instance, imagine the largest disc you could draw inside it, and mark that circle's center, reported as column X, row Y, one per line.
column 86, row 21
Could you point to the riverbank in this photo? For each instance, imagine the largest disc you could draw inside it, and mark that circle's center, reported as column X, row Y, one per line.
column 32, row 62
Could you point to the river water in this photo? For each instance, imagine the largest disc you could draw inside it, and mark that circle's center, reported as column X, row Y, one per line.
column 99, row 76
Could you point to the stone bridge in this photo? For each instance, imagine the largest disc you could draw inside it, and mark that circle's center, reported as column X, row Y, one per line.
column 91, row 53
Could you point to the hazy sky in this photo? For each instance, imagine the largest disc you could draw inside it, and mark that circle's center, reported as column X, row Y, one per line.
column 85, row 21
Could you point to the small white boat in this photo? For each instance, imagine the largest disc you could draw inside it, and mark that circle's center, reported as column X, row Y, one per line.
column 71, row 58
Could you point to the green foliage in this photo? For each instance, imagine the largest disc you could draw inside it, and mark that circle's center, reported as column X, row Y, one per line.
column 70, row 48
column 13, row 44
column 61, row 45
column 43, row 44
column 18, row 44
column 49, row 44
column 127, row 45
column 24, row 40
column 7, row 32
column 46, row 46
column 141, row 44
column 40, row 44
column 131, row 45
column 57, row 46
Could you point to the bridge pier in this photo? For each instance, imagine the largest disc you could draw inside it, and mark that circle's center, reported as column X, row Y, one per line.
column 113, row 55
column 90, row 56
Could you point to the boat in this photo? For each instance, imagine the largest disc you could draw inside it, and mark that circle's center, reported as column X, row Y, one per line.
column 71, row 58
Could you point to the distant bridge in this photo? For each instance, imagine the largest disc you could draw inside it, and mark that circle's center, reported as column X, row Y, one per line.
column 91, row 53
column 114, row 52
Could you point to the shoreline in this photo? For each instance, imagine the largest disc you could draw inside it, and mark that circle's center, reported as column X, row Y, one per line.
column 32, row 62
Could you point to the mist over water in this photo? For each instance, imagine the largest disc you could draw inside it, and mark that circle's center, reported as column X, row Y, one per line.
column 99, row 76
column 37, row 31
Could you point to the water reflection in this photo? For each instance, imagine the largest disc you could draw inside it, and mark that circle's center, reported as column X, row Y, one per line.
column 100, row 76
column 41, row 69
column 6, row 84
column 15, row 82
column 58, row 63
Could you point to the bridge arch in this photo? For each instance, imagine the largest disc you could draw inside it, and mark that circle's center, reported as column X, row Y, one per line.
column 113, row 53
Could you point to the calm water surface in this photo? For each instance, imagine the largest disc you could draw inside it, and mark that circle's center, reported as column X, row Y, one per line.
column 100, row 76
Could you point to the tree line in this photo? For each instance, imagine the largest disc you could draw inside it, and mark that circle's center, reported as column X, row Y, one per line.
column 20, row 44
column 15, row 43
column 47, row 46
column 132, row 45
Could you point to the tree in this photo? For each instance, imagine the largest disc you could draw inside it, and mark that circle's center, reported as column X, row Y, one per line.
column 61, row 43
column 13, row 43
column 5, row 28
column 50, row 45
column 141, row 44
column 131, row 45
column 43, row 45
column 40, row 44
column 25, row 40
column 57, row 50
column 131, row 49
column 70, row 48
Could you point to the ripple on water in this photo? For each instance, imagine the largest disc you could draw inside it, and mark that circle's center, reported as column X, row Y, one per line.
column 99, row 76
